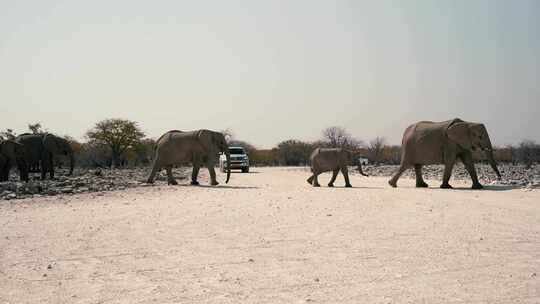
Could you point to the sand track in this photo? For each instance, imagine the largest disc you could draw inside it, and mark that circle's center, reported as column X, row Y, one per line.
column 268, row 237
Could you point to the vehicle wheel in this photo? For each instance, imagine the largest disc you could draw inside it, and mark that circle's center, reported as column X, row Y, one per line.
column 245, row 170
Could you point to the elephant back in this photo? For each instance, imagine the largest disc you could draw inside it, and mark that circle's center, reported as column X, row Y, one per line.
column 33, row 146
column 426, row 141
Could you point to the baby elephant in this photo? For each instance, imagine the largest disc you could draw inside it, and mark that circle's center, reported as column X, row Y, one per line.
column 334, row 159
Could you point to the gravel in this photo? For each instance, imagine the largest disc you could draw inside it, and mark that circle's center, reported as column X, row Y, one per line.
column 82, row 181
column 512, row 175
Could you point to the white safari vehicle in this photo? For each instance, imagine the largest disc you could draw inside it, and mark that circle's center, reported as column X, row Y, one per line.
column 239, row 160
column 363, row 160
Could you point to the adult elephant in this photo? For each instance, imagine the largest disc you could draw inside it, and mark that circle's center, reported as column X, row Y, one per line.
column 40, row 149
column 427, row 142
column 11, row 153
column 335, row 160
column 197, row 147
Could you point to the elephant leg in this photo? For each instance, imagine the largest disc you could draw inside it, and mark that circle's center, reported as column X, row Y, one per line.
column 43, row 169
column 393, row 181
column 334, row 175
column 51, row 167
column 310, row 179
column 195, row 174
column 4, row 174
column 345, row 173
column 316, row 179
column 155, row 169
column 448, row 166
column 170, row 177
column 212, row 171
column 420, row 183
column 469, row 166
column 7, row 169
column 23, row 170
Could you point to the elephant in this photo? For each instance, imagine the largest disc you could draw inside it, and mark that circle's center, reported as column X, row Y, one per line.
column 11, row 153
column 332, row 159
column 427, row 142
column 197, row 147
column 40, row 149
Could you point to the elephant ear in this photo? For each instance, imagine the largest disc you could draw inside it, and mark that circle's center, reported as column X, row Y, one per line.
column 460, row 134
column 206, row 139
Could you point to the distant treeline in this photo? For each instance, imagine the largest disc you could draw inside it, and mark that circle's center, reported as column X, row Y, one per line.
column 121, row 143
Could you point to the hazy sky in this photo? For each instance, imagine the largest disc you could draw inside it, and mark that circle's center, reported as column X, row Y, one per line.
column 271, row 70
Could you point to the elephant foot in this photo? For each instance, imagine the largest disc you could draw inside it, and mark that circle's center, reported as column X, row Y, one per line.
column 330, row 185
column 172, row 182
column 446, row 186
column 348, row 186
column 194, row 183
column 149, row 181
column 477, row 186
column 393, row 184
column 422, row 185
column 316, row 185
column 214, row 183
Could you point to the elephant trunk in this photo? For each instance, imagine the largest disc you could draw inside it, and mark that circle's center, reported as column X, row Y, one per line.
column 360, row 169
column 228, row 156
column 493, row 163
column 355, row 160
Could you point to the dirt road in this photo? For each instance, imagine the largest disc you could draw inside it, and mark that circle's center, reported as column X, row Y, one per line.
column 268, row 237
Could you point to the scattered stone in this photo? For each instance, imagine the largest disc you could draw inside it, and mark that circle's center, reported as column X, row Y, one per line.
column 67, row 190
column 82, row 181
column 512, row 175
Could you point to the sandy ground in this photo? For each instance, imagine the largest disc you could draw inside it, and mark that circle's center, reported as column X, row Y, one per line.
column 268, row 237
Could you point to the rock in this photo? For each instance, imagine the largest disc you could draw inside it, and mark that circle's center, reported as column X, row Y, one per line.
column 11, row 196
column 66, row 190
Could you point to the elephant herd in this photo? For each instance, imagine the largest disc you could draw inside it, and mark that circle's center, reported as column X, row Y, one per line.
column 424, row 143
column 30, row 152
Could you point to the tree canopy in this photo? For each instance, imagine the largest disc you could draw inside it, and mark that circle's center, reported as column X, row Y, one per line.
column 117, row 134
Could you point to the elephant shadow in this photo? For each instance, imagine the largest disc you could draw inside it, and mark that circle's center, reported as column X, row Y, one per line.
column 490, row 188
column 353, row 187
column 218, row 187
column 241, row 173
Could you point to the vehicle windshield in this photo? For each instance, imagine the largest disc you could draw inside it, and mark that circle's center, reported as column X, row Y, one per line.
column 236, row 151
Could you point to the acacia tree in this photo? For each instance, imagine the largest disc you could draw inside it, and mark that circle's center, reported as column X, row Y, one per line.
column 7, row 134
column 36, row 128
column 528, row 152
column 293, row 152
column 375, row 148
column 118, row 135
column 338, row 137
